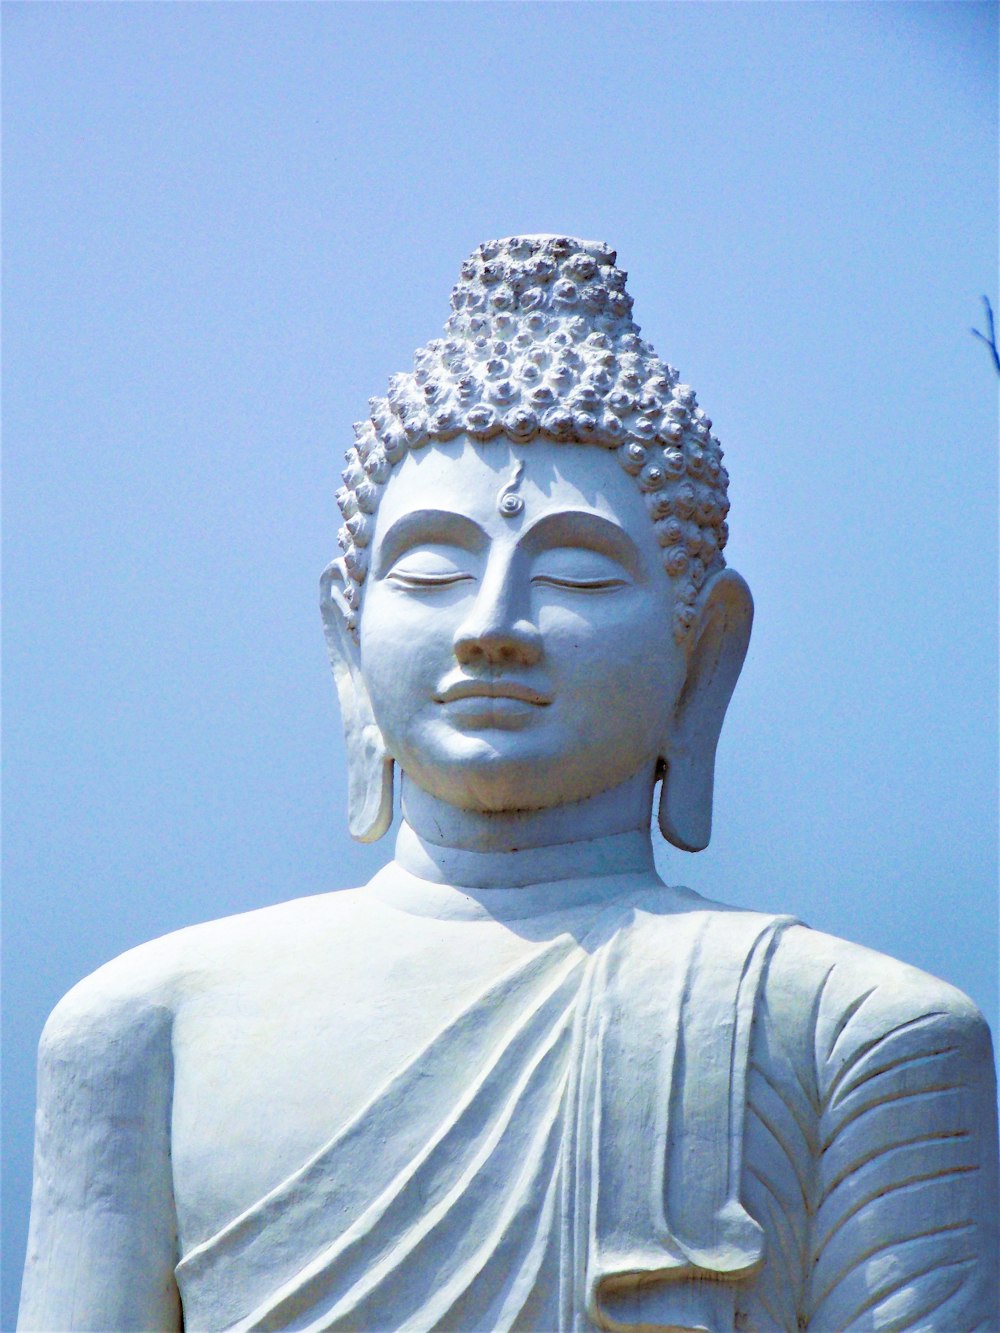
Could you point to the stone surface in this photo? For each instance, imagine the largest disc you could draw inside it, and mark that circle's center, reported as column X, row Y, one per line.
column 516, row 1081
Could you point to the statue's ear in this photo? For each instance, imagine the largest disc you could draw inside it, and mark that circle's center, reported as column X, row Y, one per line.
column 716, row 648
column 369, row 768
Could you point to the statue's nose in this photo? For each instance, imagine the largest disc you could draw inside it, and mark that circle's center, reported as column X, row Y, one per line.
column 495, row 633
column 512, row 645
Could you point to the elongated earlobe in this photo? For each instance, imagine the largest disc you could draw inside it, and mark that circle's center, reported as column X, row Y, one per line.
column 369, row 768
column 718, row 645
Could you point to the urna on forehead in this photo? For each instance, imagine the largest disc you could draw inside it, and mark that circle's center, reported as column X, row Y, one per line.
column 541, row 343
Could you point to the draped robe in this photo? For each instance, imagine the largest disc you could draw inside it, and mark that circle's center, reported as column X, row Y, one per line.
column 624, row 1130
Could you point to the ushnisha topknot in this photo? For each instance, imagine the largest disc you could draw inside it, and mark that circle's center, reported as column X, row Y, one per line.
column 541, row 342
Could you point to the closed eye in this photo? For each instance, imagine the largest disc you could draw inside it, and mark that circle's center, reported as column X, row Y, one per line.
column 431, row 565
column 413, row 579
column 581, row 584
column 579, row 569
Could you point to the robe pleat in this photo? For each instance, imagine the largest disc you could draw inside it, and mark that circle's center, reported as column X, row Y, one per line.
column 565, row 1153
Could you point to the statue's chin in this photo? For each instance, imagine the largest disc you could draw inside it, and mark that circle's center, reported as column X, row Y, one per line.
column 483, row 777
column 490, row 783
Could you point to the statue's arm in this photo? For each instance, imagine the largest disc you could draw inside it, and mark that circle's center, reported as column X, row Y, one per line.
column 904, row 1218
column 102, row 1240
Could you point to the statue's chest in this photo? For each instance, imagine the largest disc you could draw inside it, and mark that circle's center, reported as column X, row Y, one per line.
column 272, row 1061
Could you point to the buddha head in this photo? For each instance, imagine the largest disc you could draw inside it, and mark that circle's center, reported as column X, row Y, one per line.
column 532, row 606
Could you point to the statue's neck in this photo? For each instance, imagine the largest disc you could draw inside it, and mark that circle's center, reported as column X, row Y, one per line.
column 607, row 834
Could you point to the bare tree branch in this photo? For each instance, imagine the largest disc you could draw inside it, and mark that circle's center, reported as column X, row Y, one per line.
column 991, row 339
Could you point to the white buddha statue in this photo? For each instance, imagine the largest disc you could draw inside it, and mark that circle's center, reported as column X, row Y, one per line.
column 516, row 1081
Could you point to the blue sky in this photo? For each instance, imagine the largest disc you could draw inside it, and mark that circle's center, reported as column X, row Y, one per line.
column 227, row 224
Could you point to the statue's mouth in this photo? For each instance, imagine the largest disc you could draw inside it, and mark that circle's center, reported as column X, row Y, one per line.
column 476, row 688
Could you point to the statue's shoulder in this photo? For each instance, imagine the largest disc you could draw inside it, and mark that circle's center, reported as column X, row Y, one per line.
column 140, row 991
column 809, row 962
column 876, row 1079
column 849, row 1006
column 812, row 977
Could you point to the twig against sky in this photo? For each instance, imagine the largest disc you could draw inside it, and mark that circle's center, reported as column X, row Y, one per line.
column 989, row 339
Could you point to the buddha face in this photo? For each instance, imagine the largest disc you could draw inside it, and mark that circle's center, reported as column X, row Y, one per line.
column 516, row 637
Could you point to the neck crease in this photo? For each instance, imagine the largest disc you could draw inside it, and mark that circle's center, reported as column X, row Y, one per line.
column 627, row 853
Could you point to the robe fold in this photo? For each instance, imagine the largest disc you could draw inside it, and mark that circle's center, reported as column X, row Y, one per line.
column 643, row 1113
column 565, row 1153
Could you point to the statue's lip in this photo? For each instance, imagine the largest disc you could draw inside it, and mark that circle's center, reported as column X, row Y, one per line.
column 491, row 689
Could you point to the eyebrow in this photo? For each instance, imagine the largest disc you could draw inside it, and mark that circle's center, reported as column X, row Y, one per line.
column 432, row 526
column 584, row 528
